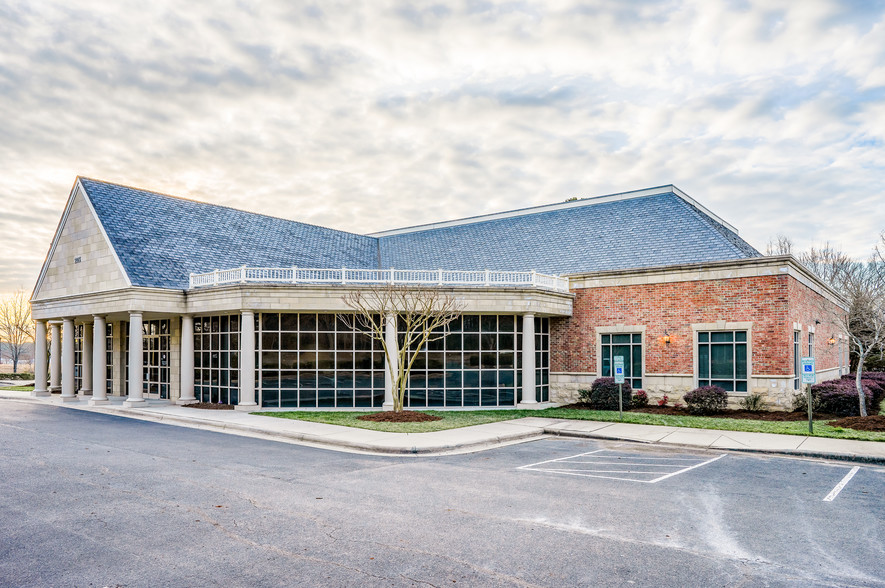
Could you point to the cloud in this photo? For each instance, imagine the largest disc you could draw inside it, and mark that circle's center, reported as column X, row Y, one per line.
column 368, row 116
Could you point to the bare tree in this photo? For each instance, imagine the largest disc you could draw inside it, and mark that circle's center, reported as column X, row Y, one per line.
column 780, row 244
column 16, row 326
column 831, row 265
column 862, row 286
column 422, row 314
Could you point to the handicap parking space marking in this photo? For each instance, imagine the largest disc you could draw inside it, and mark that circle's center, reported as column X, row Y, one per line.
column 835, row 491
column 621, row 465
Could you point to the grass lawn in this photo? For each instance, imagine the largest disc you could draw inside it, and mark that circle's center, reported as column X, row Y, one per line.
column 456, row 419
column 18, row 388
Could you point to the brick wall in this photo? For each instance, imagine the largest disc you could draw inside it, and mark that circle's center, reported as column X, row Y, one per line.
column 774, row 304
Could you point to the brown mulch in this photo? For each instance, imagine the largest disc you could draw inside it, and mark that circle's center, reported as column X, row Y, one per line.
column 406, row 416
column 765, row 415
column 210, row 406
column 868, row 423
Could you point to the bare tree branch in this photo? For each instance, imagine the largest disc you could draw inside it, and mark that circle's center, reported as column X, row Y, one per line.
column 16, row 326
column 422, row 316
column 780, row 244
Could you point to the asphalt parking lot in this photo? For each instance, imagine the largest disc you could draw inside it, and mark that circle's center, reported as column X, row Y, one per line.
column 89, row 499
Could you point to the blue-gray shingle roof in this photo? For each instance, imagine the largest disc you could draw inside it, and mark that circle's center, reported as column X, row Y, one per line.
column 160, row 239
column 656, row 230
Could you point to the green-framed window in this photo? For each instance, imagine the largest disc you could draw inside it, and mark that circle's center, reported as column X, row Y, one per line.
column 629, row 346
column 722, row 360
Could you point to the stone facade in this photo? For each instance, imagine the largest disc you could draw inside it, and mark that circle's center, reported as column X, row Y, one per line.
column 81, row 260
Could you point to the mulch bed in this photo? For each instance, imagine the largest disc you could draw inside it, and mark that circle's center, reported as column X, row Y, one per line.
column 406, row 416
column 867, row 423
column 210, row 406
column 764, row 415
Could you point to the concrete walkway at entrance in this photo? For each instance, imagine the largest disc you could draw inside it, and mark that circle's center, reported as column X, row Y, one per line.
column 475, row 438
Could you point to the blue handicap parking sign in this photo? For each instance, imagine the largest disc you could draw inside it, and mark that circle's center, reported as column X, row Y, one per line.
column 808, row 371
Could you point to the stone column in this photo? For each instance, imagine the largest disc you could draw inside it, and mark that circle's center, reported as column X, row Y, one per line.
column 67, row 362
column 99, row 362
column 40, row 388
column 86, row 385
column 391, row 367
column 528, row 360
column 136, row 369
column 247, row 361
column 186, row 377
column 55, row 358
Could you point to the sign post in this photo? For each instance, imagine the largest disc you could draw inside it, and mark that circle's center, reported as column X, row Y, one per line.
column 619, row 380
column 808, row 378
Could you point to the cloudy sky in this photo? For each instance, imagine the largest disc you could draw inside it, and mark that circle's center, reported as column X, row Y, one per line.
column 374, row 115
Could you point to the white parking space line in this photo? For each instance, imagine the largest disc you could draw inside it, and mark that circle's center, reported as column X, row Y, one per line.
column 835, row 491
column 632, row 467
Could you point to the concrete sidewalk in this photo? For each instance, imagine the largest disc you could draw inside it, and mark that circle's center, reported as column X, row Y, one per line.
column 475, row 438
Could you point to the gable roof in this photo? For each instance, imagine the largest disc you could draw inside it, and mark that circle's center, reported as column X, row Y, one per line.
column 161, row 239
column 655, row 227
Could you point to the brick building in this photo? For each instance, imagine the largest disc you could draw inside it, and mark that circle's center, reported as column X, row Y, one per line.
column 152, row 297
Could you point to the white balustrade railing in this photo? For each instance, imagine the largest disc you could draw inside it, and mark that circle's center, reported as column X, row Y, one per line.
column 440, row 277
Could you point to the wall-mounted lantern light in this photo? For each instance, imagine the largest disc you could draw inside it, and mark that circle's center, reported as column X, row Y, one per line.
column 666, row 337
column 831, row 340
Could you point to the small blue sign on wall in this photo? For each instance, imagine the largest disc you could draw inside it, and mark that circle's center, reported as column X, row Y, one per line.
column 619, row 369
column 808, row 373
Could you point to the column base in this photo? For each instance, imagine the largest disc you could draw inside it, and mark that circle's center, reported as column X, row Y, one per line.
column 55, row 389
column 70, row 399
column 387, row 406
column 41, row 393
column 183, row 401
column 134, row 403
column 246, row 407
column 98, row 401
column 530, row 405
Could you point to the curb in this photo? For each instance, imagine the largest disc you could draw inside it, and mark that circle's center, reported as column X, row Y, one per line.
column 306, row 438
column 321, row 440
column 443, row 449
column 869, row 459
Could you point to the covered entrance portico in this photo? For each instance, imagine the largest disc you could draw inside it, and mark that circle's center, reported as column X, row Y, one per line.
column 147, row 344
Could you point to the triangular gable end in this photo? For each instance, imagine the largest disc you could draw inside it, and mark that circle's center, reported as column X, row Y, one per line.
column 81, row 259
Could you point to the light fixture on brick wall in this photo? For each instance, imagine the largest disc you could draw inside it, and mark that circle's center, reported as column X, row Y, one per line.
column 831, row 340
column 666, row 337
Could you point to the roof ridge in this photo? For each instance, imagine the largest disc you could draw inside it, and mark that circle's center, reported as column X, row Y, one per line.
column 203, row 203
column 539, row 209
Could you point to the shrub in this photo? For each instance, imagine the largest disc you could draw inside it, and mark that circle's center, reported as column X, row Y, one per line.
column 706, row 400
column 584, row 396
column 800, row 402
column 604, row 394
column 18, row 376
column 639, row 400
column 663, row 401
column 753, row 403
column 839, row 397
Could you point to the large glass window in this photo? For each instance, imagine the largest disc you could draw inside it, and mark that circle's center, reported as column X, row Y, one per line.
column 155, row 356
column 628, row 346
column 310, row 360
column 722, row 360
column 797, row 376
column 542, row 359
column 216, row 359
